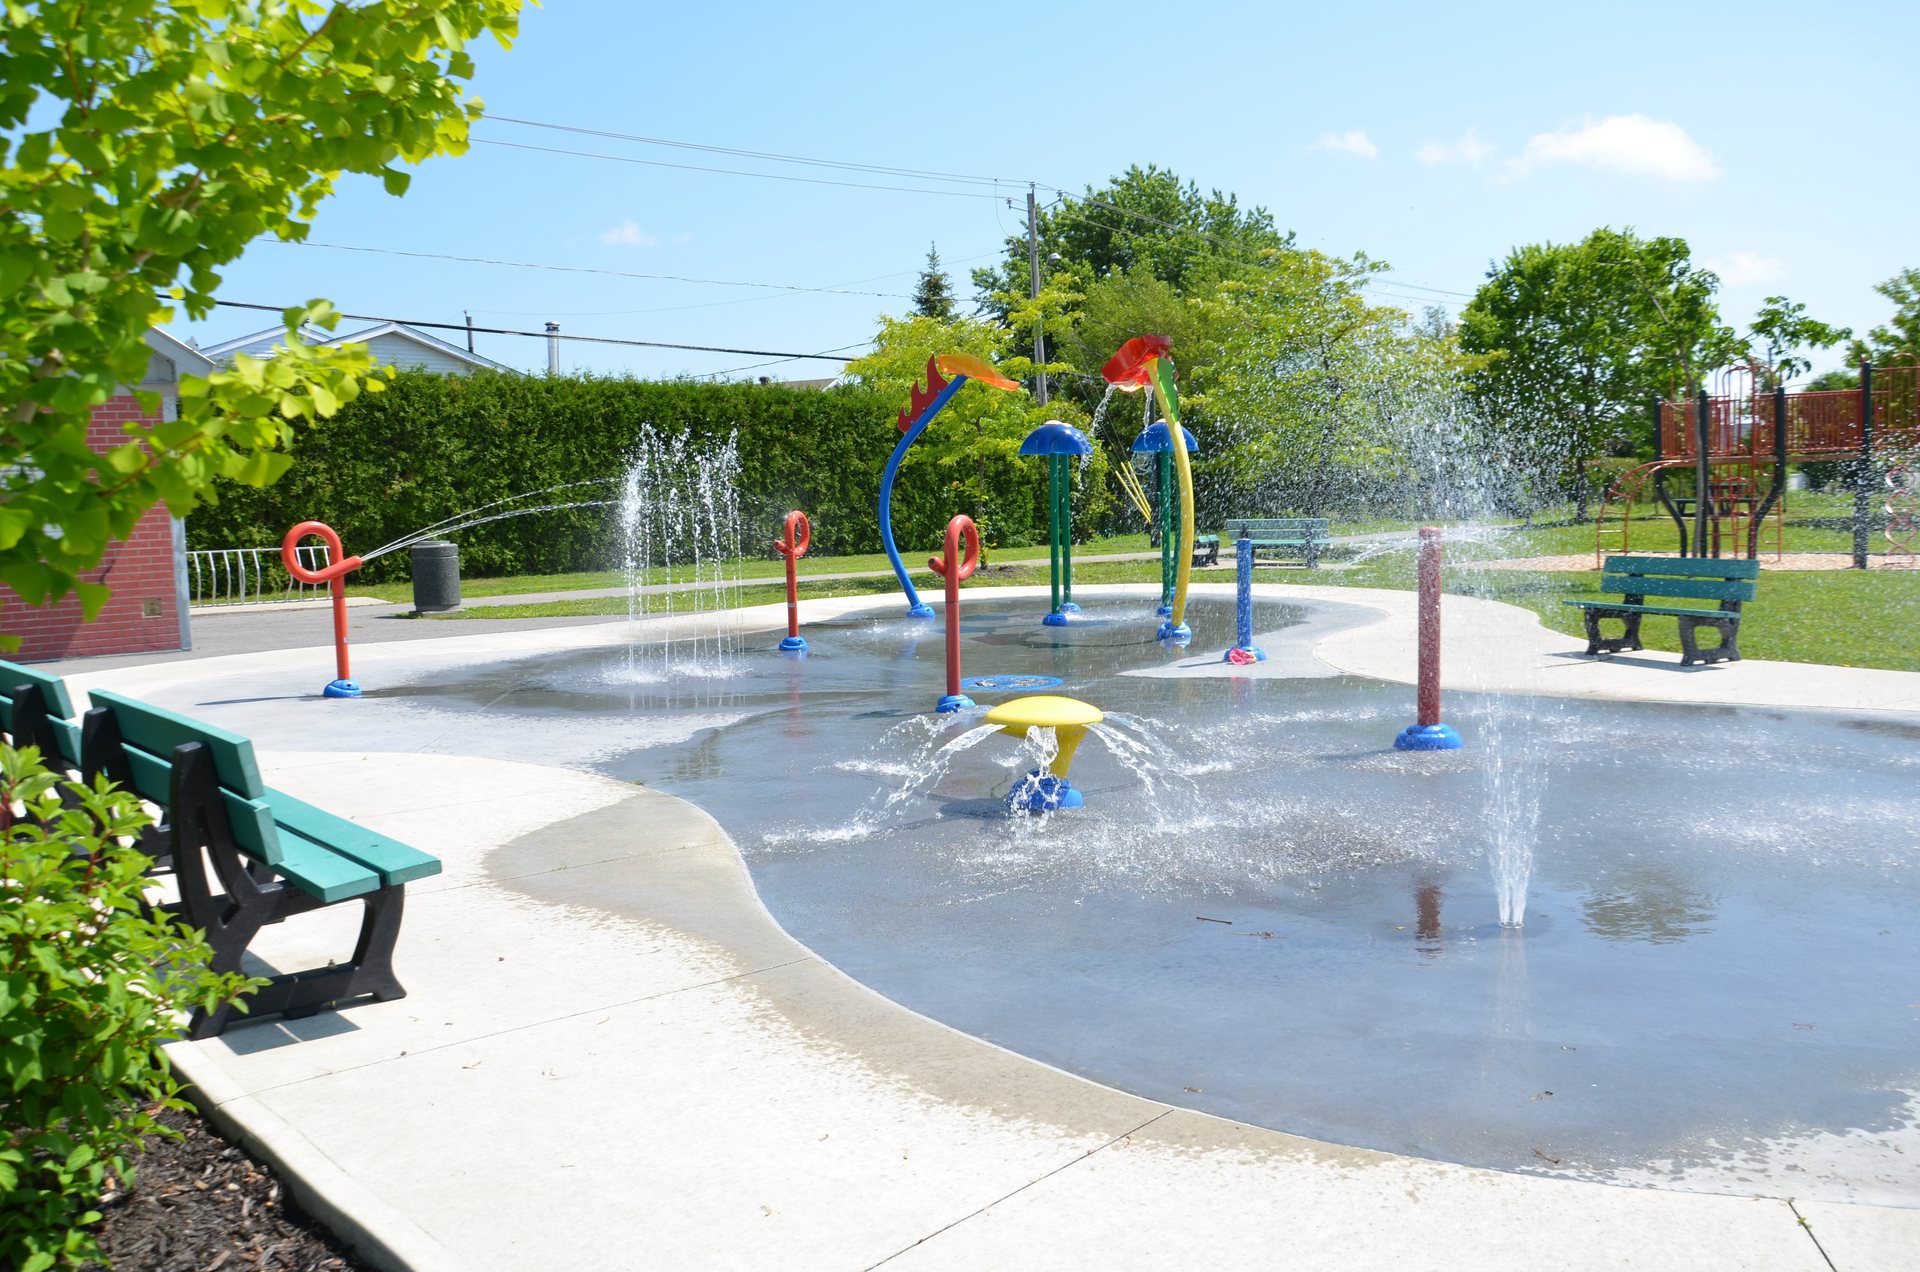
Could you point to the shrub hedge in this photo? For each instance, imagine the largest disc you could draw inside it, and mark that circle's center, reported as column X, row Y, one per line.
column 432, row 446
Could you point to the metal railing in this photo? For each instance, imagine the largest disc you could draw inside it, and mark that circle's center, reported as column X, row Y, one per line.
column 250, row 576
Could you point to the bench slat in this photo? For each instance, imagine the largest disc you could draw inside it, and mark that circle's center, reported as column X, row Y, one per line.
column 157, row 731
column 1687, row 567
column 1693, row 589
column 52, row 688
column 1676, row 611
column 251, row 820
column 317, row 869
column 394, row 861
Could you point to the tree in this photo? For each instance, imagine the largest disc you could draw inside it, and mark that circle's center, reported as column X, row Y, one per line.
column 1779, row 329
column 932, row 296
column 1897, row 341
column 1577, row 337
column 143, row 146
column 1144, row 217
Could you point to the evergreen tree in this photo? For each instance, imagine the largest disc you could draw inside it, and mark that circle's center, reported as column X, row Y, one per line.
column 933, row 295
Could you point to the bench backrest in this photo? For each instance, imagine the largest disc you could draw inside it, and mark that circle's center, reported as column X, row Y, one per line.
column 147, row 738
column 1293, row 527
column 1694, row 578
column 53, row 697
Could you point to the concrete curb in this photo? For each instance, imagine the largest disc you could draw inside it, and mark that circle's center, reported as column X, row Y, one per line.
column 375, row 1230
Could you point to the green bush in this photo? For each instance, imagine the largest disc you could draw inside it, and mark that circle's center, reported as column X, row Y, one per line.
column 90, row 986
column 432, row 446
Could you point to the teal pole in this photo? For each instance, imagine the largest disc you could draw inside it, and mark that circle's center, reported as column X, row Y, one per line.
column 1053, row 527
column 1065, row 523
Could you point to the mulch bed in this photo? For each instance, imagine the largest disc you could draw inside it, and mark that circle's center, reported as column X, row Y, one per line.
column 200, row 1204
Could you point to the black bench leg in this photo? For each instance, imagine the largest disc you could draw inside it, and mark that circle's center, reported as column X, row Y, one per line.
column 373, row 955
column 1726, row 650
column 1628, row 639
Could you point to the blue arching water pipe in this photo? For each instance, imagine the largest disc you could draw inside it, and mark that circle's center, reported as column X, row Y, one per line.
column 916, row 607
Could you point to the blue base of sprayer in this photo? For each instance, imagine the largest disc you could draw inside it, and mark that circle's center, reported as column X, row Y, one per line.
column 1178, row 633
column 953, row 702
column 922, row 610
column 1253, row 651
column 1427, row 737
column 1164, row 611
column 1068, row 607
column 1042, row 792
column 1057, row 619
column 341, row 689
column 793, row 644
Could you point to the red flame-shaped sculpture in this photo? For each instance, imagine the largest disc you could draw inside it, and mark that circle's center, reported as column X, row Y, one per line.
column 920, row 399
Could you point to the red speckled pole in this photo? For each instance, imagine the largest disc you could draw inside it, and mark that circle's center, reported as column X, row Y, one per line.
column 1429, row 625
column 334, row 576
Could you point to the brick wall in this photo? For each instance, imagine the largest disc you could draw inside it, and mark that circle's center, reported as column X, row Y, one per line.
column 143, row 613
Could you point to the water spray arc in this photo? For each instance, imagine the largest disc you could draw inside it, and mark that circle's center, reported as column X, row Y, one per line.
column 1144, row 363
column 922, row 405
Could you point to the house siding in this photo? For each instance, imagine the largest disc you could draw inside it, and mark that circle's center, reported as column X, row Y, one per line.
column 395, row 350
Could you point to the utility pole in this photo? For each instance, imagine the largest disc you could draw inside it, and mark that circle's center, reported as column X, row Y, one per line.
column 469, row 316
column 553, row 348
column 1033, row 281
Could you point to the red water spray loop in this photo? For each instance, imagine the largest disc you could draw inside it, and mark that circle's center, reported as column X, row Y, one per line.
column 793, row 544
column 956, row 566
column 333, row 575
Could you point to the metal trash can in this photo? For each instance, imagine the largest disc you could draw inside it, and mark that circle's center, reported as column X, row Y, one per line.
column 436, row 576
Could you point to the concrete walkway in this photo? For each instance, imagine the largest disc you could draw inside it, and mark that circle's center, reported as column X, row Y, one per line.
column 612, row 1057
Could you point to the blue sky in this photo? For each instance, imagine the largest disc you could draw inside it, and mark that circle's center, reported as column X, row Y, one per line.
column 1775, row 138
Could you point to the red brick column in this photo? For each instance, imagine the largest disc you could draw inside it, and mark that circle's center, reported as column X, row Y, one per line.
column 143, row 613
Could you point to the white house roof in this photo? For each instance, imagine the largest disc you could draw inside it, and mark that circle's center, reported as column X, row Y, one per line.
column 186, row 359
column 260, row 344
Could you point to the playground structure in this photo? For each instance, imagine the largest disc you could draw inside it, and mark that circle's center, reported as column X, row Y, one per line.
column 1157, row 440
column 1717, row 449
column 1046, row 789
column 1427, row 733
column 922, row 405
column 1061, row 444
column 1143, row 363
column 956, row 566
column 796, row 537
column 334, row 575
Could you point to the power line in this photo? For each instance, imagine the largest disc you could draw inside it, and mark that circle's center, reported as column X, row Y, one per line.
column 769, row 155
column 555, row 335
column 583, row 269
column 734, row 172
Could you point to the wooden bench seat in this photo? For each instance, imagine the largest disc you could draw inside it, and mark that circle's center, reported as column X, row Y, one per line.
column 243, row 856
column 1301, row 536
column 1635, row 578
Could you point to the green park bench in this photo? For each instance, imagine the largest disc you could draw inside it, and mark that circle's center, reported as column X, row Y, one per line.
column 1287, row 536
column 1206, row 549
column 243, row 856
column 1635, row 578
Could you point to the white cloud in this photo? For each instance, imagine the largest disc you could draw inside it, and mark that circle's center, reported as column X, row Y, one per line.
column 1352, row 142
column 629, row 234
column 1739, row 269
column 1468, row 149
column 1621, row 143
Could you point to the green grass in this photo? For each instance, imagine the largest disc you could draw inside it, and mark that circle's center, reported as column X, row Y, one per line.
column 1840, row 617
